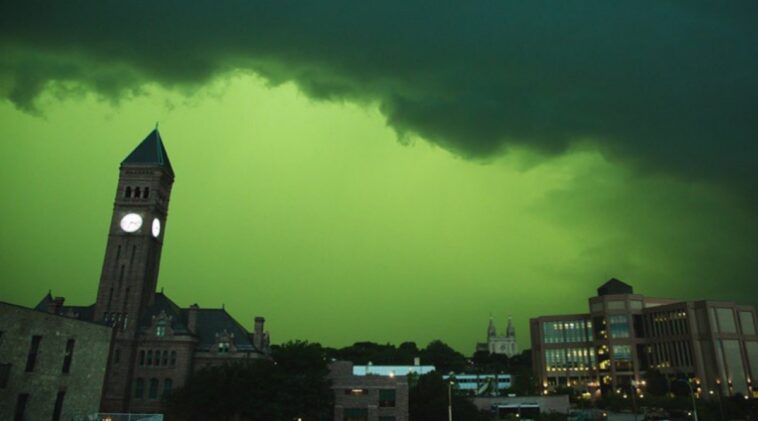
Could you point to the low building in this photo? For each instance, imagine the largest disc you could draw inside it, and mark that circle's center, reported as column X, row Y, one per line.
column 51, row 367
column 624, row 335
column 481, row 384
column 380, row 395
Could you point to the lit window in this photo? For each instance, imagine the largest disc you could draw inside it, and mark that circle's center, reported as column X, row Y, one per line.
column 160, row 328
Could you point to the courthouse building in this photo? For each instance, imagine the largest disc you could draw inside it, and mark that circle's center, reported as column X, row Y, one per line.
column 714, row 343
column 157, row 344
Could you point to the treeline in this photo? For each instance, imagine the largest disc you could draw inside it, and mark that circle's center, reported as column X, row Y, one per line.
column 294, row 383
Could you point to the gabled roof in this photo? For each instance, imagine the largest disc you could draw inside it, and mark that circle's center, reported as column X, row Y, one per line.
column 614, row 287
column 150, row 152
column 161, row 303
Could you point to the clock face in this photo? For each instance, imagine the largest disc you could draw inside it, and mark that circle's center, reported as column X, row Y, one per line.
column 131, row 222
column 156, row 227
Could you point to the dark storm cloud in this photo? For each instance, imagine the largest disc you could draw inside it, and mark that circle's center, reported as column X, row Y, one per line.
column 670, row 86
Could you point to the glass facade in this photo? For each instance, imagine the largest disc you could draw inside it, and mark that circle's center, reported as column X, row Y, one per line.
column 747, row 323
column 735, row 368
column 576, row 359
column 752, row 356
column 622, row 357
column 569, row 331
column 726, row 320
column 615, row 305
column 619, row 326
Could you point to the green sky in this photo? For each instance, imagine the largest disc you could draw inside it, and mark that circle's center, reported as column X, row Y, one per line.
column 315, row 216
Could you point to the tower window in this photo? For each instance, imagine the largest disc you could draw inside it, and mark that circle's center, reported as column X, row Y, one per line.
column 68, row 356
column 31, row 358
column 153, row 392
column 146, row 192
column 110, row 294
column 128, row 192
column 139, row 388
column 21, row 401
column 137, row 193
column 167, row 384
column 58, row 408
column 116, row 356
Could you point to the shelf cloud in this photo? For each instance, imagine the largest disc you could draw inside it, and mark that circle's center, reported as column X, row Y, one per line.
column 667, row 87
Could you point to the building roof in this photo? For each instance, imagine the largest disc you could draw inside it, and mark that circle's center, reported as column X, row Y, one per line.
column 150, row 152
column 613, row 287
column 391, row 370
column 86, row 313
column 211, row 321
column 162, row 304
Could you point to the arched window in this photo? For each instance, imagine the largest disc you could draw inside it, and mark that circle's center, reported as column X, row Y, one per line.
column 146, row 193
column 173, row 358
column 139, row 388
column 160, row 328
column 167, row 384
column 137, row 193
column 142, row 357
column 164, row 360
column 153, row 391
column 150, row 357
column 128, row 192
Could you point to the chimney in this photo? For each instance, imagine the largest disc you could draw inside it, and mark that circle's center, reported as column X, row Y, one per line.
column 258, row 332
column 56, row 305
column 192, row 318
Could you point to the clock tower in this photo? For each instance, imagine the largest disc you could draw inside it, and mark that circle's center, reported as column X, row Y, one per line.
column 132, row 256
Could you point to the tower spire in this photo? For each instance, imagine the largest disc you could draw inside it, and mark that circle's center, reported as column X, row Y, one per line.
column 491, row 328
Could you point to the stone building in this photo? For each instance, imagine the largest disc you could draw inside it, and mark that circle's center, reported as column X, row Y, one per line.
column 499, row 344
column 157, row 344
column 51, row 367
column 624, row 335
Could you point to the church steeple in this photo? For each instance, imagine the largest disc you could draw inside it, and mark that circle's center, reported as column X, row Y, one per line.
column 491, row 328
column 510, row 331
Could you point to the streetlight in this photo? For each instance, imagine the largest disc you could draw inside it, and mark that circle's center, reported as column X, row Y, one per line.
column 692, row 395
column 450, row 396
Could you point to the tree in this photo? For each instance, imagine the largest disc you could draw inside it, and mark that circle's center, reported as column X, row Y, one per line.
column 293, row 385
column 444, row 358
column 428, row 400
column 656, row 383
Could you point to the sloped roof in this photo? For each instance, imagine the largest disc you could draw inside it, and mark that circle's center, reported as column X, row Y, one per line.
column 150, row 152
column 211, row 321
column 613, row 287
column 161, row 303
column 82, row 312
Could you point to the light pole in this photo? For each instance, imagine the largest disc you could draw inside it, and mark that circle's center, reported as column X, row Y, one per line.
column 692, row 395
column 449, row 400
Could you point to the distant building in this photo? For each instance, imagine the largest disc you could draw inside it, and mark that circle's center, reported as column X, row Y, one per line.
column 481, row 384
column 391, row 370
column 624, row 335
column 51, row 367
column 157, row 344
column 500, row 344
column 370, row 396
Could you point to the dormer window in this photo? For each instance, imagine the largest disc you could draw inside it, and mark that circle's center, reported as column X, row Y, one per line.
column 160, row 328
column 223, row 347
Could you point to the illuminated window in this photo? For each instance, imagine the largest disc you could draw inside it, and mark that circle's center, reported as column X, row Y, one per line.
column 223, row 347
column 160, row 328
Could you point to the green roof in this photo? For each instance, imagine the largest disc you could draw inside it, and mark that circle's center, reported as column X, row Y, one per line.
column 150, row 152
